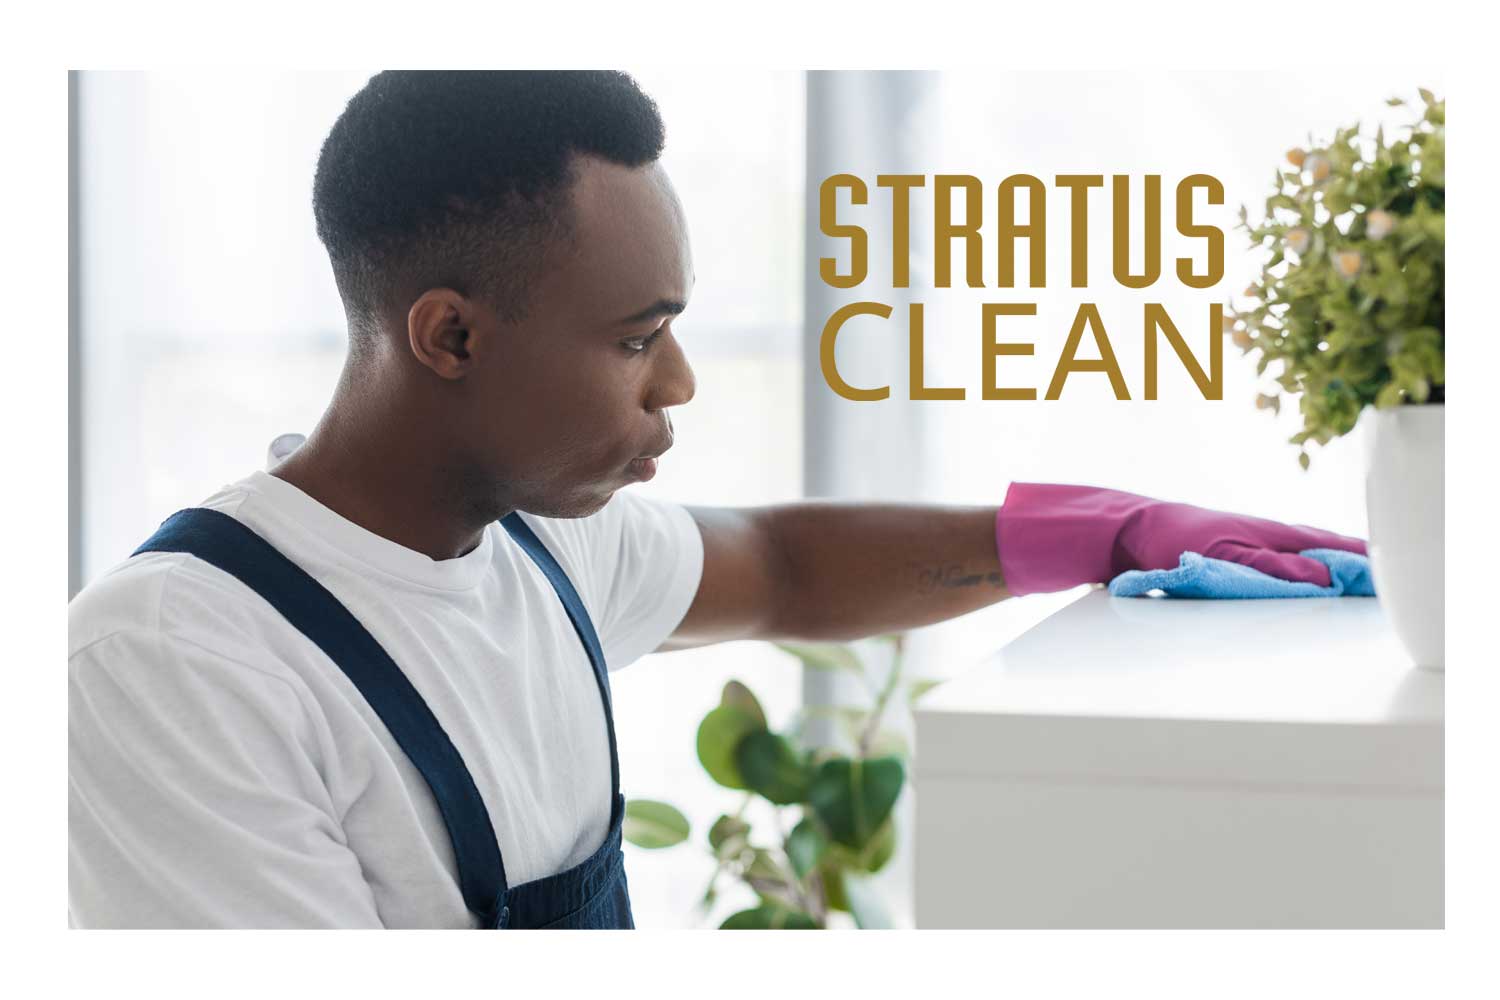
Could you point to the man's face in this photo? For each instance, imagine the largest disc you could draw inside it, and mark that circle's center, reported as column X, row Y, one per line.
column 579, row 391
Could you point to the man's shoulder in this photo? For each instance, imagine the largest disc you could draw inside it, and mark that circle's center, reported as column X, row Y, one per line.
column 159, row 591
column 169, row 595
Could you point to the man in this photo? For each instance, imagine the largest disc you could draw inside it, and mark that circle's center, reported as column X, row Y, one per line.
column 369, row 688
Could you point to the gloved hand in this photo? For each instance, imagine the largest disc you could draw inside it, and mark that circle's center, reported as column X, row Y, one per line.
column 1053, row 536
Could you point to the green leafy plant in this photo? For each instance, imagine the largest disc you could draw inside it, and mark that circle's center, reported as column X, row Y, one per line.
column 1350, row 301
column 843, row 797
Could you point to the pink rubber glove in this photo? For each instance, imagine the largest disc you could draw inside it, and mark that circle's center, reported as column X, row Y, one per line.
column 1052, row 537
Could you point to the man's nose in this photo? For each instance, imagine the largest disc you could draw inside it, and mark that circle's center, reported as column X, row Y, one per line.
column 675, row 383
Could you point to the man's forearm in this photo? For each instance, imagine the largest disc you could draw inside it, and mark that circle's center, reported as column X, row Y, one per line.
column 849, row 570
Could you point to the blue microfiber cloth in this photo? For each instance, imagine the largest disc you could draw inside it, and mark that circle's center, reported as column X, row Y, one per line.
column 1199, row 576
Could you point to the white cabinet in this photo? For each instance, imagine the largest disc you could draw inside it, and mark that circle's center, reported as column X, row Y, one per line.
column 1172, row 763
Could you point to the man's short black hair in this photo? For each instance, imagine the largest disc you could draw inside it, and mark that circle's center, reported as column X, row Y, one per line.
column 460, row 179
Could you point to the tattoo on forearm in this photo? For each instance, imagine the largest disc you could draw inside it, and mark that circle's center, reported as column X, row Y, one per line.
column 951, row 576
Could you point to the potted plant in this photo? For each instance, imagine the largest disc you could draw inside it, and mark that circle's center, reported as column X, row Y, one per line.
column 1349, row 304
column 809, row 870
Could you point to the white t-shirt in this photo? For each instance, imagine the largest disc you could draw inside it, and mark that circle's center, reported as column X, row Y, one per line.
column 223, row 771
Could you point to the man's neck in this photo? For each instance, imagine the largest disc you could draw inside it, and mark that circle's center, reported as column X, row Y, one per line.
column 386, row 485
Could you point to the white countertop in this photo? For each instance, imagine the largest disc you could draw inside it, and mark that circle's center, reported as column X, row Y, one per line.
column 1330, row 659
column 1291, row 691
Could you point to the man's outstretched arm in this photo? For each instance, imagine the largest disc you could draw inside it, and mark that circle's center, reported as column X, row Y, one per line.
column 833, row 571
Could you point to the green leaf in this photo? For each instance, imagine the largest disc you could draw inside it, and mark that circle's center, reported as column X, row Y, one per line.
column 920, row 687
column 1427, row 97
column 880, row 848
column 853, row 797
column 770, row 880
column 757, row 919
column 763, row 867
column 794, row 920
column 652, row 824
column 772, row 767
column 1388, row 396
column 805, row 847
column 831, row 874
column 737, row 695
column 725, row 829
column 870, row 858
column 823, row 656
column 769, row 917
column 719, row 737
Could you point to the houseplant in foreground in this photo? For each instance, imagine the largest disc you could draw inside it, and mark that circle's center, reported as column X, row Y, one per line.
column 1349, row 305
column 806, row 869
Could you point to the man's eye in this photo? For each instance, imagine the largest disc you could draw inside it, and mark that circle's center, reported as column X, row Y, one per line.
column 641, row 344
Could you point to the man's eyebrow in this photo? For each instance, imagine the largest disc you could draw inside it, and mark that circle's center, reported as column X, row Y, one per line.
column 661, row 307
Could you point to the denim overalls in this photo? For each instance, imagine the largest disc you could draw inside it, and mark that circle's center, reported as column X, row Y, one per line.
column 591, row 894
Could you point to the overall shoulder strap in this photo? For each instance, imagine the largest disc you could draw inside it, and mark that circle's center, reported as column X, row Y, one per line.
column 222, row 541
column 582, row 624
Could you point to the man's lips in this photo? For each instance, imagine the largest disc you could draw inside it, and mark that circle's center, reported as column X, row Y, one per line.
column 643, row 467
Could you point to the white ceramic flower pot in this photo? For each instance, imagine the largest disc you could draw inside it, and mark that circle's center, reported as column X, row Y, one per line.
column 1404, row 499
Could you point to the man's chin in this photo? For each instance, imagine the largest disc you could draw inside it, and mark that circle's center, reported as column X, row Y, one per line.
column 577, row 505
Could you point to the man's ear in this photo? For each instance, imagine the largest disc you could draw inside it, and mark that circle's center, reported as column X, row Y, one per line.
column 439, row 330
